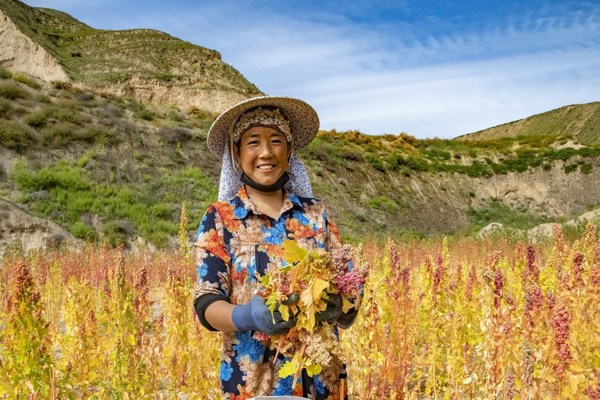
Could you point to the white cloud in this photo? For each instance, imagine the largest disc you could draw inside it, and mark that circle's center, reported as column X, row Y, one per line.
column 397, row 75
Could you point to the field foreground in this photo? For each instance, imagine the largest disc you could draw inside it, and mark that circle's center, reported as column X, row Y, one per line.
column 451, row 319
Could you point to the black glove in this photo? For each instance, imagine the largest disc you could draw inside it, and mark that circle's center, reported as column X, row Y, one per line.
column 333, row 310
column 346, row 320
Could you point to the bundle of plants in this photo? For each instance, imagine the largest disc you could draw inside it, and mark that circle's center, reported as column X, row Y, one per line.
column 303, row 289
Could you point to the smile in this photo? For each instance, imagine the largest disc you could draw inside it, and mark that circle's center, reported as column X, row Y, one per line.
column 267, row 167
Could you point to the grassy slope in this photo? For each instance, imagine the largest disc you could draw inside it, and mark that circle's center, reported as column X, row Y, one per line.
column 580, row 122
column 99, row 56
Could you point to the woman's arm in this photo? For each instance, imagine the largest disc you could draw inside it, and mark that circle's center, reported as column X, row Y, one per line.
column 218, row 315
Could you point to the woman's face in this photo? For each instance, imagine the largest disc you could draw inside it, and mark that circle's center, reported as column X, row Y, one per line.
column 263, row 154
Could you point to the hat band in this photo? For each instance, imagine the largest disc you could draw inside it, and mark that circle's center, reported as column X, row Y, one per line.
column 261, row 117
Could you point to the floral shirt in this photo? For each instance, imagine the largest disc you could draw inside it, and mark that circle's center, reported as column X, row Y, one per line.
column 235, row 243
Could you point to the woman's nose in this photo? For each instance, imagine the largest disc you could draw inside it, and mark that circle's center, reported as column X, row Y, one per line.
column 265, row 150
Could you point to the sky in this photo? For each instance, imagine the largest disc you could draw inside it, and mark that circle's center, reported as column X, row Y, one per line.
column 425, row 67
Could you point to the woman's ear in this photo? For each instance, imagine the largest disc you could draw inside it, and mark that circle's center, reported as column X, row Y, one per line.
column 236, row 152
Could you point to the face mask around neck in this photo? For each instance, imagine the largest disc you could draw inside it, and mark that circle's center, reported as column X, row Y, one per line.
column 266, row 188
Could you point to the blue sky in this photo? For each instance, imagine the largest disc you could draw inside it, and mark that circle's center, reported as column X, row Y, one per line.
column 428, row 68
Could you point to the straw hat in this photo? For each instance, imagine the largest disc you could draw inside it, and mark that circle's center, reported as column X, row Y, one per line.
column 304, row 121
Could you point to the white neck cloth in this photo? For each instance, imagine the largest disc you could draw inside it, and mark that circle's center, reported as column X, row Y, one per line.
column 230, row 182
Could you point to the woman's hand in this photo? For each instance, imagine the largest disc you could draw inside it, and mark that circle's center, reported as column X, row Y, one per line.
column 255, row 316
column 333, row 310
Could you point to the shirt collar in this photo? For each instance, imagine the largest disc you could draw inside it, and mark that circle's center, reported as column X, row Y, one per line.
column 242, row 203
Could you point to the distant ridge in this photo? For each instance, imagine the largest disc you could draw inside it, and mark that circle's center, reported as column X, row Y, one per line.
column 145, row 64
column 580, row 122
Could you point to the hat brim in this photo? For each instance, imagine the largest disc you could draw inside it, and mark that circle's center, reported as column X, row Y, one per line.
column 304, row 121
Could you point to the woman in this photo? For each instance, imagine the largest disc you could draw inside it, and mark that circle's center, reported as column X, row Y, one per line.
column 264, row 198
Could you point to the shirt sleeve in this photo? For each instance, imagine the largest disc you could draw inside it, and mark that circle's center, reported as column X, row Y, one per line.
column 212, row 257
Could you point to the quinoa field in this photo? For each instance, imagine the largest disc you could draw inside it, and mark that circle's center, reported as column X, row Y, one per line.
column 493, row 318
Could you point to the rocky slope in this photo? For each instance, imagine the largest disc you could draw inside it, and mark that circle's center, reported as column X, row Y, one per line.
column 22, row 231
column 433, row 203
column 19, row 52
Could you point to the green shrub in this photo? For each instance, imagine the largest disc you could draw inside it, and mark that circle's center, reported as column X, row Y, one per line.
column 59, row 134
column 561, row 154
column 11, row 91
column 477, row 169
column 60, row 175
column 27, row 80
column 86, row 158
column 5, row 108
column 37, row 119
column 381, row 202
column 42, row 98
column 83, row 231
column 586, row 168
column 497, row 211
column 377, row 163
column 66, row 113
column 114, row 233
column 568, row 168
column 159, row 239
column 16, row 135
column 351, row 153
column 96, row 135
column 5, row 74
column 175, row 135
column 145, row 114
column 324, row 150
column 161, row 210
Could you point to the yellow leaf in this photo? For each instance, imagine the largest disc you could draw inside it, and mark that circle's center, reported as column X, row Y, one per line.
column 287, row 369
column 346, row 305
column 131, row 340
column 293, row 252
column 306, row 297
column 285, row 312
column 313, row 370
column 318, row 285
column 575, row 367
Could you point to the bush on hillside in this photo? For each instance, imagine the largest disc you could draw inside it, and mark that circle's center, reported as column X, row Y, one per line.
column 5, row 74
column 10, row 91
column 16, row 135
column 26, row 80
column 5, row 108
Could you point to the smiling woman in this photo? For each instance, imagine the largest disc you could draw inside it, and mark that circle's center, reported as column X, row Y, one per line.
column 266, row 200
column 263, row 154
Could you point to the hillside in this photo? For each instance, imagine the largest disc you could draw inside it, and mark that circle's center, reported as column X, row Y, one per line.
column 109, row 168
column 580, row 122
column 145, row 64
column 112, row 150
